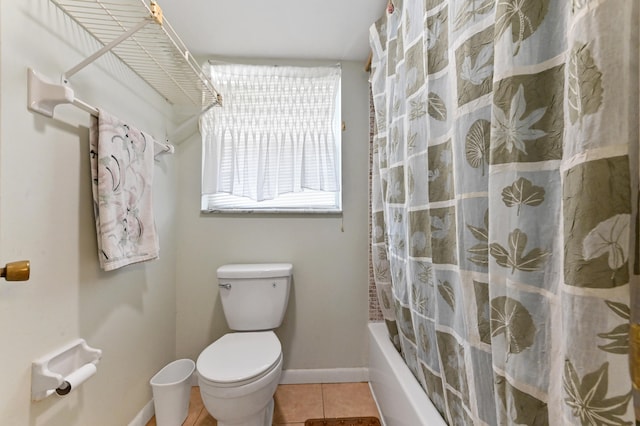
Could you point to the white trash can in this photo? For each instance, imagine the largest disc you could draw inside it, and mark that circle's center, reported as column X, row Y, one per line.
column 171, row 392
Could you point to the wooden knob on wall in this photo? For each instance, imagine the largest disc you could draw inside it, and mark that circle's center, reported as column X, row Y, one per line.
column 16, row 271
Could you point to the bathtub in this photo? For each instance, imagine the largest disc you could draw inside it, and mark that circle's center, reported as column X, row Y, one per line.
column 400, row 398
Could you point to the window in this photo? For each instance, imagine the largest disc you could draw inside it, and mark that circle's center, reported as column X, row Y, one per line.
column 274, row 145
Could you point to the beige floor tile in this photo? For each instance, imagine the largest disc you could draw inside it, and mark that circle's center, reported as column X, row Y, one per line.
column 195, row 407
column 348, row 400
column 297, row 403
column 205, row 419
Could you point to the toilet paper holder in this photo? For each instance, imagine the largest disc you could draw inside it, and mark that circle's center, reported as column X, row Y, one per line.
column 63, row 370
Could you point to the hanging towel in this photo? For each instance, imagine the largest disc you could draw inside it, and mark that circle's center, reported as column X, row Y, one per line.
column 122, row 177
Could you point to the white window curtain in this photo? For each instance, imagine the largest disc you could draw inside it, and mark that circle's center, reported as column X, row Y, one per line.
column 274, row 134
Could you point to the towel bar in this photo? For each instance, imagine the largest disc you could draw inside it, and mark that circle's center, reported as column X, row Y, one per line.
column 43, row 97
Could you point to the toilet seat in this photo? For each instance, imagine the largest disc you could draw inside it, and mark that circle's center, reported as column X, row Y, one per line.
column 239, row 358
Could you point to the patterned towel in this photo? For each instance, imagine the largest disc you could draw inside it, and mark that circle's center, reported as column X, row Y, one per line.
column 122, row 175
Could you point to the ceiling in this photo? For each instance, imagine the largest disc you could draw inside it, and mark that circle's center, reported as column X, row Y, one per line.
column 275, row 29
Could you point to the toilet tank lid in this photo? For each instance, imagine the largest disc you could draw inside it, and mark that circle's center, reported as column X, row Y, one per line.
column 255, row 270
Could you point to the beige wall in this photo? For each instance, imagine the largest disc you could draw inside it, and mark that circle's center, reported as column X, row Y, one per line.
column 325, row 325
column 46, row 216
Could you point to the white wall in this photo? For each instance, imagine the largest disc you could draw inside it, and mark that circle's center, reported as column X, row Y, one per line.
column 325, row 325
column 46, row 216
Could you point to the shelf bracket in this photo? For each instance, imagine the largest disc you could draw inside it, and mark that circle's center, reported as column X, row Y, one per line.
column 108, row 47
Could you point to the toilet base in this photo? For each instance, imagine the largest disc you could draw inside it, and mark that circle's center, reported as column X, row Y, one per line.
column 263, row 418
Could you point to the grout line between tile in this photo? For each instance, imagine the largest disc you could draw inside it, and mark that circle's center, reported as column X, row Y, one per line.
column 324, row 413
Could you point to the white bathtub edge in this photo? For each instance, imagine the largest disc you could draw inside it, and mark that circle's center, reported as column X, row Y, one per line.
column 373, row 394
column 400, row 398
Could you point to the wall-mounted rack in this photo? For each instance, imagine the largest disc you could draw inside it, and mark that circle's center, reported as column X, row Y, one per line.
column 140, row 36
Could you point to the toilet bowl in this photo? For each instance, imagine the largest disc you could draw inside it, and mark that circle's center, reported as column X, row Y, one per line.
column 238, row 374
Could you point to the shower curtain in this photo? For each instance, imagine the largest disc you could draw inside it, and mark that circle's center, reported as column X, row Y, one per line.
column 504, row 204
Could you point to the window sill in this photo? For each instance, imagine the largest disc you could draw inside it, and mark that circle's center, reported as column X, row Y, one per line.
column 328, row 212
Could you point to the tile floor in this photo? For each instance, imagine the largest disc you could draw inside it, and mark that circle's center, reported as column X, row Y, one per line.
column 297, row 403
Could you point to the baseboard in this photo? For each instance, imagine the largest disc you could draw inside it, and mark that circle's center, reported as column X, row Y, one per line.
column 328, row 375
column 143, row 417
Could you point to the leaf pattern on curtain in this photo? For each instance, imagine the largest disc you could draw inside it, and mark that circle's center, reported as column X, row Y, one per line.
column 585, row 83
column 420, row 223
column 483, row 311
column 523, row 17
column 587, row 397
column 436, row 41
column 418, row 109
column 420, row 299
column 511, row 129
column 477, row 144
column 440, row 227
column 447, row 293
column 619, row 336
column 511, row 319
column 453, row 355
column 610, row 238
column 433, row 33
column 520, row 407
column 595, row 267
column 480, row 69
column 470, row 11
column 513, row 257
column 522, row 193
column 579, row 4
column 505, row 180
column 475, row 66
column 414, row 62
column 436, row 107
column 479, row 253
column 433, row 385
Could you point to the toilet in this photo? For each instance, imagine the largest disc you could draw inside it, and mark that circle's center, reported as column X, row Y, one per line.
column 238, row 374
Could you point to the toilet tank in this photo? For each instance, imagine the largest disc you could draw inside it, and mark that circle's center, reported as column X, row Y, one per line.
column 254, row 296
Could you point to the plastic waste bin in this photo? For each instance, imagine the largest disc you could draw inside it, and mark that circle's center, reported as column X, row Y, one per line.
column 171, row 392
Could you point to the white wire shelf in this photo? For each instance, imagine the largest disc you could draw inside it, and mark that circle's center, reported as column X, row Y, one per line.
column 144, row 40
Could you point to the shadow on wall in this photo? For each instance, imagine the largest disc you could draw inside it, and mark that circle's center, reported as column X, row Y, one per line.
column 218, row 323
column 67, row 412
column 286, row 331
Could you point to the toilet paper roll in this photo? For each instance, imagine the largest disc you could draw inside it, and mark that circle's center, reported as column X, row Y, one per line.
column 76, row 378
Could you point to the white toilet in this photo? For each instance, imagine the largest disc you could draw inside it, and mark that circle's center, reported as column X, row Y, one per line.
column 238, row 374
